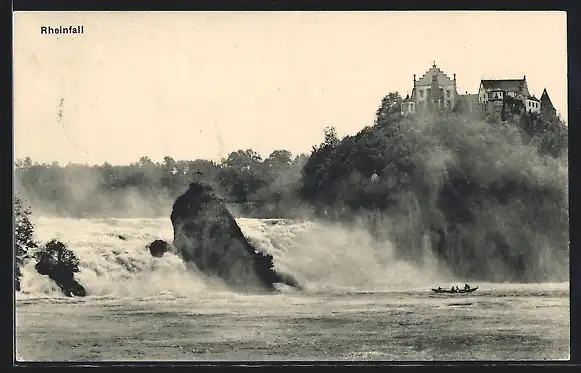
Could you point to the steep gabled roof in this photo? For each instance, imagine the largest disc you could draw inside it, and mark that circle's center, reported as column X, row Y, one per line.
column 426, row 79
column 510, row 85
column 545, row 98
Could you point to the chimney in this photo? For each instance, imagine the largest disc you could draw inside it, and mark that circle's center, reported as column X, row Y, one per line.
column 454, row 76
column 524, row 77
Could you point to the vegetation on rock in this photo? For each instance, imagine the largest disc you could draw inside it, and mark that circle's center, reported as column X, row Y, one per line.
column 59, row 263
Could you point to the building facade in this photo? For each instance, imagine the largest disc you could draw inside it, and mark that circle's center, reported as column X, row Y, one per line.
column 533, row 105
column 434, row 91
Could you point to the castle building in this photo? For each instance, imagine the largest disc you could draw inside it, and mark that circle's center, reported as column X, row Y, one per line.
column 492, row 93
column 436, row 92
column 433, row 91
column 494, row 90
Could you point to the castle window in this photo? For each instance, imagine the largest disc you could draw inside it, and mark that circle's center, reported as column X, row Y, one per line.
column 449, row 103
column 421, row 93
column 448, row 92
column 495, row 95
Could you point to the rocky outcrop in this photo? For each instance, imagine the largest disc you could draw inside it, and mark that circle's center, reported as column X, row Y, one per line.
column 60, row 264
column 206, row 234
column 66, row 282
column 158, row 247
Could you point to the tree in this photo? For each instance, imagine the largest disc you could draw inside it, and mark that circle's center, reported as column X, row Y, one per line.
column 145, row 161
column 240, row 174
column 23, row 238
column 278, row 159
column 243, row 160
column 389, row 109
column 24, row 163
column 331, row 138
column 55, row 257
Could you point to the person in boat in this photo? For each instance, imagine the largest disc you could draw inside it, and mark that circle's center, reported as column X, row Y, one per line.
column 439, row 288
column 453, row 290
column 466, row 287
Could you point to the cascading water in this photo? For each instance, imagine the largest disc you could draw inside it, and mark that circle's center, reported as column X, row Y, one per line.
column 115, row 261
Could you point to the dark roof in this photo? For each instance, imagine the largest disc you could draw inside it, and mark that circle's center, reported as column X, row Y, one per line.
column 545, row 97
column 533, row 98
column 512, row 85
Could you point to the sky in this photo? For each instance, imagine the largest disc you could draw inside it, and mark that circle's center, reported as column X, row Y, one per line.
column 195, row 85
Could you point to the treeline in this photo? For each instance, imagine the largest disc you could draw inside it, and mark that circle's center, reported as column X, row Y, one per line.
column 254, row 185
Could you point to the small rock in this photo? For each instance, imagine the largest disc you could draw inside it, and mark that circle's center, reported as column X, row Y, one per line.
column 158, row 247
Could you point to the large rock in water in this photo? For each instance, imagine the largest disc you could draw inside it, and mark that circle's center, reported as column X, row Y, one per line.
column 66, row 281
column 206, row 234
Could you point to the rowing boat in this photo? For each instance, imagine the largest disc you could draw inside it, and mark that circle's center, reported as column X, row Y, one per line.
column 461, row 291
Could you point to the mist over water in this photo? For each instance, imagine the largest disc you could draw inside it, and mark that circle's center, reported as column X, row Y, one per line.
column 482, row 195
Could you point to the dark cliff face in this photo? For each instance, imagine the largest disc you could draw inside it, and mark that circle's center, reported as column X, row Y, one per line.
column 206, row 234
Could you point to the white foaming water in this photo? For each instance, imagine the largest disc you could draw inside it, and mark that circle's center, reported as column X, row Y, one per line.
column 115, row 261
